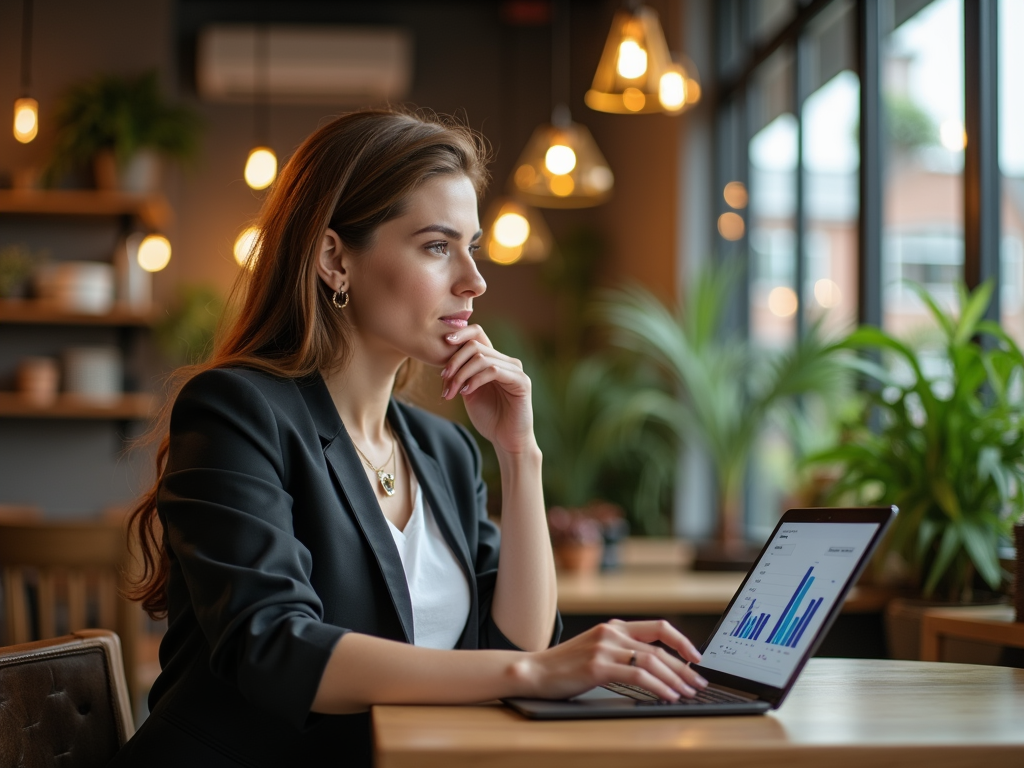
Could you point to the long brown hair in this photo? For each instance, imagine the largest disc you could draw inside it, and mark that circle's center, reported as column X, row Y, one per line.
column 352, row 175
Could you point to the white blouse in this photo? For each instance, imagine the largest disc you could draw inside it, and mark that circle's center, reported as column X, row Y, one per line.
column 437, row 583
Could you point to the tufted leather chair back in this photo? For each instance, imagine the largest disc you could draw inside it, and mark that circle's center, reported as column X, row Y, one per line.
column 61, row 577
column 63, row 702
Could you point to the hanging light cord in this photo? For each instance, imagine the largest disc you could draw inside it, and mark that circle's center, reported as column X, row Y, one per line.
column 261, row 86
column 561, row 35
column 26, row 46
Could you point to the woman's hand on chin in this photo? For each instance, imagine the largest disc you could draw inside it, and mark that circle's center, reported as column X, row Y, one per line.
column 493, row 386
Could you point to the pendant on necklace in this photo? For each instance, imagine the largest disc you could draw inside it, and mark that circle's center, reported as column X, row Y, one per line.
column 387, row 481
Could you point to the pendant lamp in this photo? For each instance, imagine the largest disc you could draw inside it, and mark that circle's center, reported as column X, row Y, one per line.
column 261, row 165
column 679, row 87
column 629, row 75
column 515, row 233
column 26, row 109
column 561, row 166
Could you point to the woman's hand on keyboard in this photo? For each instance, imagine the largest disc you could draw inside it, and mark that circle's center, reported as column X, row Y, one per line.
column 615, row 652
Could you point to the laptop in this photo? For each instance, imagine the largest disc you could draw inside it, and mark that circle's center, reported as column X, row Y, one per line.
column 774, row 623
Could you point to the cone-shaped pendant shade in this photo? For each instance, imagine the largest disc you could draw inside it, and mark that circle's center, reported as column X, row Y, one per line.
column 515, row 233
column 628, row 77
column 561, row 167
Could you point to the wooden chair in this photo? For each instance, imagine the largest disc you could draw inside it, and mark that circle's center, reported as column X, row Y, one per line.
column 65, row 701
column 65, row 577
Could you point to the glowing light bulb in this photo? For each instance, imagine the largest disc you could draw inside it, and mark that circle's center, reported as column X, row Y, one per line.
column 827, row 293
column 731, row 226
column 511, row 229
column 154, row 253
column 559, row 159
column 244, row 245
column 735, row 194
column 782, row 301
column 261, row 168
column 672, row 90
column 26, row 120
column 952, row 135
column 632, row 61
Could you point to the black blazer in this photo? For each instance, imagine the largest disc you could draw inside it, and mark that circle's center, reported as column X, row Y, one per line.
column 278, row 548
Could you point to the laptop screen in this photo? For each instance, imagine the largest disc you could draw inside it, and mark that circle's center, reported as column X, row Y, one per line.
column 786, row 599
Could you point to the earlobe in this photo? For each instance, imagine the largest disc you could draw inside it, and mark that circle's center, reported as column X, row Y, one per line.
column 330, row 264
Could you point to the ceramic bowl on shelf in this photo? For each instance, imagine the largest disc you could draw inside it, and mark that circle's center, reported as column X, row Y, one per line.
column 79, row 286
column 94, row 373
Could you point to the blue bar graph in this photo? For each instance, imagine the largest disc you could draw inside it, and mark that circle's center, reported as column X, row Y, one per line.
column 807, row 620
column 760, row 625
column 742, row 625
column 790, row 626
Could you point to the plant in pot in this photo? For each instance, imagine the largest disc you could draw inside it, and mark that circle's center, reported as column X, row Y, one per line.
column 941, row 436
column 714, row 387
column 121, row 126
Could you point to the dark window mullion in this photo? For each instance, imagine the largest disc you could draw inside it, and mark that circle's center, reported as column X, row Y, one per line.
column 981, row 155
column 869, row 231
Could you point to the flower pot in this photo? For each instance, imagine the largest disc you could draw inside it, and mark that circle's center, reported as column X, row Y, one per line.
column 579, row 556
column 140, row 175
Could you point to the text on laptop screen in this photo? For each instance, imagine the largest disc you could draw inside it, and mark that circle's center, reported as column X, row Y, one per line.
column 786, row 599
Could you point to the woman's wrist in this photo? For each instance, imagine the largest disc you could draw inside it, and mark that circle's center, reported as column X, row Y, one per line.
column 528, row 455
column 524, row 675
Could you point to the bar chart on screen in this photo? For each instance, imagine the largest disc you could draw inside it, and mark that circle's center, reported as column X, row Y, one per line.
column 786, row 598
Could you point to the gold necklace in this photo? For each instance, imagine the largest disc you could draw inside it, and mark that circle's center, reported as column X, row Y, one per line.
column 387, row 479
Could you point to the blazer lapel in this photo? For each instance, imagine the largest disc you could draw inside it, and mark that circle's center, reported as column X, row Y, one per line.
column 348, row 471
column 435, row 488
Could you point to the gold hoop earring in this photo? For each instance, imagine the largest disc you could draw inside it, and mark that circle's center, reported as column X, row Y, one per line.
column 344, row 301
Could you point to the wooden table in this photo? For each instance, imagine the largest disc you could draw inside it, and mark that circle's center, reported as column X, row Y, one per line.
column 843, row 713
column 671, row 592
column 987, row 623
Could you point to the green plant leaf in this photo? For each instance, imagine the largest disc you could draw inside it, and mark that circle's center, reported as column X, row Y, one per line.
column 981, row 547
column 948, row 547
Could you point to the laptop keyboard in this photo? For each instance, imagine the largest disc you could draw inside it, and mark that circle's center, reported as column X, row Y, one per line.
column 707, row 696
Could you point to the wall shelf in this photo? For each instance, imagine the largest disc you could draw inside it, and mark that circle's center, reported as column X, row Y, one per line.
column 38, row 312
column 130, row 406
column 153, row 210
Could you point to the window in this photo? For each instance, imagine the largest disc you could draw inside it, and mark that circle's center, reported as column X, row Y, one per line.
column 923, row 108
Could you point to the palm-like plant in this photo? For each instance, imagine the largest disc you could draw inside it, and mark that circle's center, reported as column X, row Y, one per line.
column 593, row 447
column 716, row 387
column 947, row 448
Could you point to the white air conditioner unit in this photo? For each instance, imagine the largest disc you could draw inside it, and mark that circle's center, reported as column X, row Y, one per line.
column 304, row 64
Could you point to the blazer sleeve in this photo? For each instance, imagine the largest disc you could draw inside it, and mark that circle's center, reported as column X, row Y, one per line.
column 486, row 566
column 228, row 522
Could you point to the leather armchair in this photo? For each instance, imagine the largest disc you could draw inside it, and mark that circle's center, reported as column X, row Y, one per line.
column 63, row 701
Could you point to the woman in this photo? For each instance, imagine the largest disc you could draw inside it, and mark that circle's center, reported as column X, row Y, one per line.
column 323, row 547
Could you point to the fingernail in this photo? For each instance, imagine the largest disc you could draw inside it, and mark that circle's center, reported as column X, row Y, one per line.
column 444, row 373
column 445, row 393
column 465, row 389
column 702, row 682
column 452, row 337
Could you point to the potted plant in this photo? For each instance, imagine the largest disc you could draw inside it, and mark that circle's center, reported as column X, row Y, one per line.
column 575, row 539
column 121, row 126
column 941, row 435
column 714, row 387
